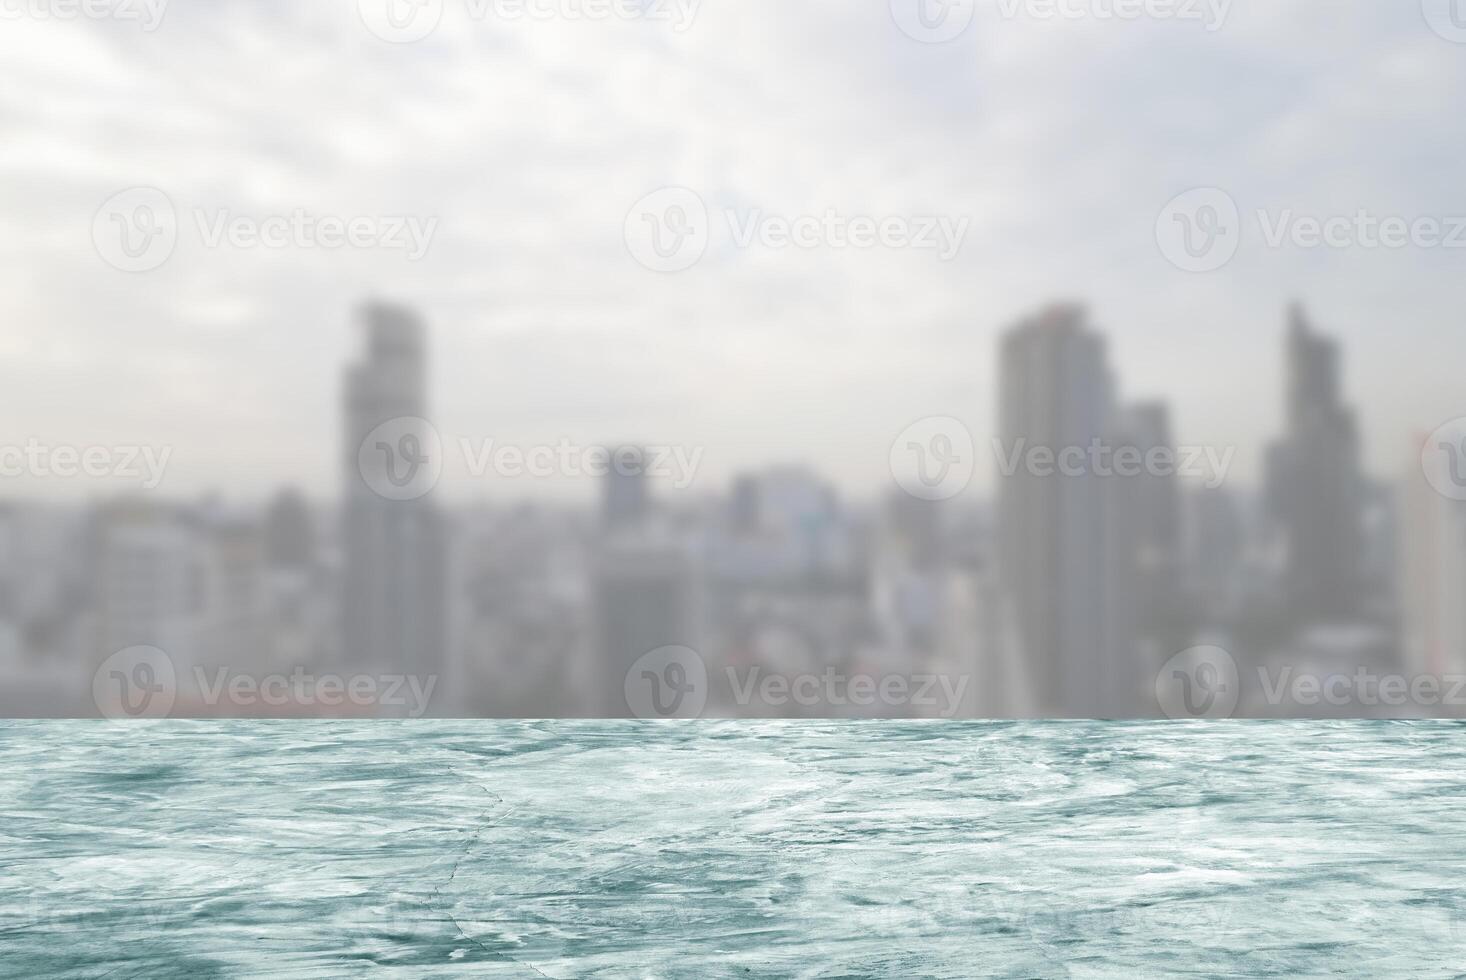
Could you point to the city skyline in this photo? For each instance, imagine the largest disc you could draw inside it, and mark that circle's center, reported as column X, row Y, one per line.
column 876, row 344
column 1075, row 590
column 466, row 475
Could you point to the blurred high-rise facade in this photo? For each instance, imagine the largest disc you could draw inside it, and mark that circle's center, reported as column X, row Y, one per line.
column 646, row 597
column 624, row 496
column 300, row 629
column 1315, row 486
column 146, row 577
column 393, row 551
column 1432, row 570
column 1145, row 602
column 1055, row 547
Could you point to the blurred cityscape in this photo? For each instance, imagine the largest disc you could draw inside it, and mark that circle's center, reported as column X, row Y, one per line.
column 1078, row 589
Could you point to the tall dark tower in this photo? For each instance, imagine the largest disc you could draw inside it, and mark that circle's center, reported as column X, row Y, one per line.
column 1056, row 531
column 624, row 498
column 1144, row 520
column 1315, row 487
column 393, row 548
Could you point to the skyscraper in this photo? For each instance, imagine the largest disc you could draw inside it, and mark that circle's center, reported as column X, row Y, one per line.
column 1314, row 484
column 299, row 623
column 1144, row 521
column 646, row 586
column 1055, row 535
column 1431, row 573
column 393, row 548
column 624, row 498
column 233, row 614
column 1212, row 549
column 289, row 537
column 647, row 589
column 146, row 577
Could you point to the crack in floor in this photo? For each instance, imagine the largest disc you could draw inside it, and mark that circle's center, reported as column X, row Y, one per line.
column 453, row 873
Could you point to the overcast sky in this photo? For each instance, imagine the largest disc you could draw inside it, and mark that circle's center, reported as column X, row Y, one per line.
column 529, row 141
